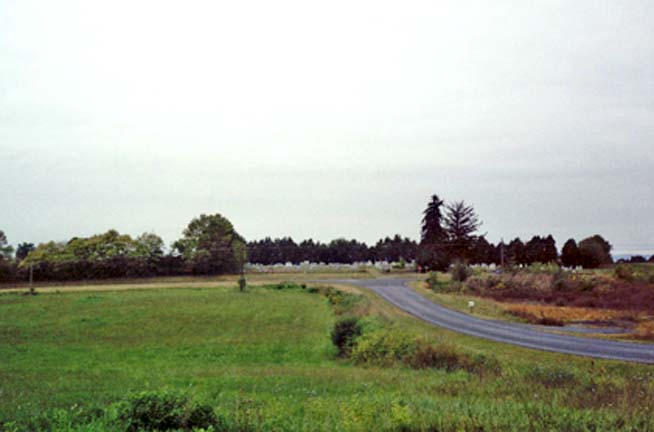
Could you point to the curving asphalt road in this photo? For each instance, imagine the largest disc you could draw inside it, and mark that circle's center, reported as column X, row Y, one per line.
column 398, row 293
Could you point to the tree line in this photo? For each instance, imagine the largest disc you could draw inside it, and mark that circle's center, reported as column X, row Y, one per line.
column 284, row 250
column 210, row 245
column 449, row 234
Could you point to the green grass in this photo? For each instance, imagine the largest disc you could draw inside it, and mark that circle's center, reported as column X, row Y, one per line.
column 264, row 358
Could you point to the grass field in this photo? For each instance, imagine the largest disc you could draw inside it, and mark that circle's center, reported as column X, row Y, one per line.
column 264, row 360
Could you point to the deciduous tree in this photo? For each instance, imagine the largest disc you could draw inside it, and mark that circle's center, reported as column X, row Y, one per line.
column 210, row 245
column 23, row 250
column 5, row 248
column 595, row 251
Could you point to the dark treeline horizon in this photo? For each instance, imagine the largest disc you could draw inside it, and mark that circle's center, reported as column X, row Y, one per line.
column 112, row 255
column 282, row 250
column 211, row 245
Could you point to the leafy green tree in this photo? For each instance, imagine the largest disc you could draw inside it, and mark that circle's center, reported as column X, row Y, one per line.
column 210, row 245
column 7, row 267
column 460, row 223
column 23, row 250
column 5, row 248
column 594, row 252
column 149, row 245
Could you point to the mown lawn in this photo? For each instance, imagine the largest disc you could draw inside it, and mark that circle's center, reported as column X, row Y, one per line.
column 264, row 359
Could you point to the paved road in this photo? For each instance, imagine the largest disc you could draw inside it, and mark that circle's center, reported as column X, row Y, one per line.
column 398, row 293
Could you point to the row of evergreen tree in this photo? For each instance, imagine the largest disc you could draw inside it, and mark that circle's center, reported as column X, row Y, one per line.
column 480, row 251
column 449, row 233
column 284, row 250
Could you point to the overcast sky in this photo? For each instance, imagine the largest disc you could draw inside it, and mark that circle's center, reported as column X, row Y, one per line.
column 327, row 119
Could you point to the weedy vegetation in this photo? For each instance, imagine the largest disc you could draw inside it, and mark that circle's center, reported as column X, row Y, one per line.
column 548, row 295
column 286, row 356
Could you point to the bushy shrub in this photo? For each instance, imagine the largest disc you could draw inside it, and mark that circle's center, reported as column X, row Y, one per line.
column 483, row 364
column 460, row 271
column 344, row 334
column 432, row 280
column 450, row 358
column 559, row 280
column 342, row 302
column 165, row 411
column 439, row 282
column 429, row 356
column 383, row 348
column 285, row 286
column 624, row 272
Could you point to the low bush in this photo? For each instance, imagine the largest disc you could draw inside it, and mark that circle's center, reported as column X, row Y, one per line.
column 383, row 348
column 440, row 282
column 450, row 358
column 387, row 348
column 427, row 356
column 624, row 272
column 163, row 411
column 460, row 271
column 559, row 280
column 541, row 268
column 433, row 280
column 285, row 286
column 344, row 334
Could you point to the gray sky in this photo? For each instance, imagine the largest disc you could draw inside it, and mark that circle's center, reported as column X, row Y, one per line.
column 326, row 119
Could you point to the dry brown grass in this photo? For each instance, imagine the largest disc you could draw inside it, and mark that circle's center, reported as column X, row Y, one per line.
column 644, row 330
column 574, row 314
column 561, row 315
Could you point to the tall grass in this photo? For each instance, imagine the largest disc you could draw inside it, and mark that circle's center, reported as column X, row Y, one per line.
column 263, row 360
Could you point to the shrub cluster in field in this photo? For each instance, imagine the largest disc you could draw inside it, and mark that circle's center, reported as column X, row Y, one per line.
column 390, row 347
column 144, row 411
column 583, row 400
column 166, row 411
column 368, row 340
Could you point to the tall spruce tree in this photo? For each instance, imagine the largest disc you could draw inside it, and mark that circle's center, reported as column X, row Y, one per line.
column 432, row 252
column 432, row 222
column 461, row 222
